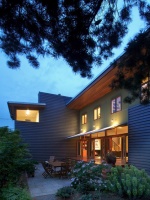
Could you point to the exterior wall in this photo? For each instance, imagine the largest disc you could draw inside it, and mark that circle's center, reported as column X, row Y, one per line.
column 120, row 117
column 48, row 137
column 139, row 137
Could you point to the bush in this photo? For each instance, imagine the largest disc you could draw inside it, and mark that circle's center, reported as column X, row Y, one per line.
column 13, row 157
column 15, row 193
column 94, row 196
column 129, row 182
column 87, row 177
column 65, row 192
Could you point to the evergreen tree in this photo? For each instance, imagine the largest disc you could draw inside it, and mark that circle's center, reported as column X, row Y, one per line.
column 134, row 69
column 83, row 32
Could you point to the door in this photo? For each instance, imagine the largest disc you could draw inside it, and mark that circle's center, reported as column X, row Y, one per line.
column 123, row 149
column 92, row 149
column 79, row 152
column 84, row 149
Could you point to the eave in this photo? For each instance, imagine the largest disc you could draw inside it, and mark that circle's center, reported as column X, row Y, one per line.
column 13, row 106
column 97, row 89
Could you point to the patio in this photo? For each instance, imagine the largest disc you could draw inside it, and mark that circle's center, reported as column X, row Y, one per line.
column 45, row 188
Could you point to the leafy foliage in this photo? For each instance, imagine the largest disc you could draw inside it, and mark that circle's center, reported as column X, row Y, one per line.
column 15, row 193
column 134, row 67
column 65, row 192
column 87, row 177
column 94, row 196
column 129, row 182
column 13, row 157
column 81, row 31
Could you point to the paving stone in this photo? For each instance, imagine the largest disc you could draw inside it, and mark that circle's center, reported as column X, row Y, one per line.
column 45, row 188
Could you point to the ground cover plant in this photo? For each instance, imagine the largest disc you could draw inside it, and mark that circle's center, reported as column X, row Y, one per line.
column 14, row 162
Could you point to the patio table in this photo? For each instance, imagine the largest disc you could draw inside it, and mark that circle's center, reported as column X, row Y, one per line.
column 57, row 165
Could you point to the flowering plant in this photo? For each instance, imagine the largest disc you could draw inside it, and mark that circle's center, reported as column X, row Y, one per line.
column 87, row 177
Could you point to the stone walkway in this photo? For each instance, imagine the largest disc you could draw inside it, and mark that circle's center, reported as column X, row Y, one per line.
column 45, row 188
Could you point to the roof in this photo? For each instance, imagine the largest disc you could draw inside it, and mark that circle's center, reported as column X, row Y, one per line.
column 96, row 89
column 100, row 86
column 13, row 106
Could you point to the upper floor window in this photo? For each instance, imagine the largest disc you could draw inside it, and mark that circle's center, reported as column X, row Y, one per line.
column 116, row 105
column 27, row 115
column 97, row 113
column 145, row 90
column 84, row 118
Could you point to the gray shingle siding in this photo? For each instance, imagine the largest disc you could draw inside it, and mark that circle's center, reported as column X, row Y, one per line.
column 139, row 137
column 48, row 137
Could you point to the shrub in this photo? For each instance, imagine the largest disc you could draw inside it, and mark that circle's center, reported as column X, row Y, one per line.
column 13, row 157
column 129, row 182
column 65, row 192
column 87, row 177
column 94, row 196
column 15, row 193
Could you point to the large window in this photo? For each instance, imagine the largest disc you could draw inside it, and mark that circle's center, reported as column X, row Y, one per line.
column 116, row 105
column 84, row 118
column 97, row 113
column 27, row 115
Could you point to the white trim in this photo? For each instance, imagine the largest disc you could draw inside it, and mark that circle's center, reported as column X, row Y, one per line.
column 91, row 132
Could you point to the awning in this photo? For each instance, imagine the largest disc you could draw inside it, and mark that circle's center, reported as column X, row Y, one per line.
column 93, row 131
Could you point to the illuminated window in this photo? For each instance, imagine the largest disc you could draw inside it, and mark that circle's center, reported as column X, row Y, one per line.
column 145, row 90
column 27, row 115
column 84, row 119
column 116, row 105
column 97, row 113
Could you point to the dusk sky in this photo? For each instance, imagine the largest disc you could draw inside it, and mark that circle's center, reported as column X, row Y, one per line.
column 53, row 76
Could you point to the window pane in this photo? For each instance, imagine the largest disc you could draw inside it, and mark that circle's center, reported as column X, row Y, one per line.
column 118, row 104
column 85, row 121
column 82, row 119
column 27, row 115
column 99, row 112
column 144, row 92
column 113, row 106
column 95, row 114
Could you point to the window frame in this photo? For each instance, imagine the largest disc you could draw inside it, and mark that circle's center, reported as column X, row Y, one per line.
column 27, row 115
column 84, row 118
column 97, row 113
column 145, row 85
column 116, row 104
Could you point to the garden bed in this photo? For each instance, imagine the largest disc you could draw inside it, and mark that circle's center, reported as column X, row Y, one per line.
column 106, row 196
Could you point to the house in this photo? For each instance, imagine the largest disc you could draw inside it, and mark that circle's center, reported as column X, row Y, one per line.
column 87, row 126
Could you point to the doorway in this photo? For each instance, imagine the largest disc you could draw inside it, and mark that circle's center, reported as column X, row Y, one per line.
column 97, row 148
column 119, row 146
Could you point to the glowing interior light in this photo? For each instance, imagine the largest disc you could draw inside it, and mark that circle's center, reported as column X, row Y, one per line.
column 27, row 111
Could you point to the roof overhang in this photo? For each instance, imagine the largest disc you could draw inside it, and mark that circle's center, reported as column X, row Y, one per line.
column 97, row 89
column 13, row 106
column 95, row 131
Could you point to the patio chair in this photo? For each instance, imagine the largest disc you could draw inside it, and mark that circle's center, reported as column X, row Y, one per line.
column 52, row 158
column 48, row 170
column 65, row 169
